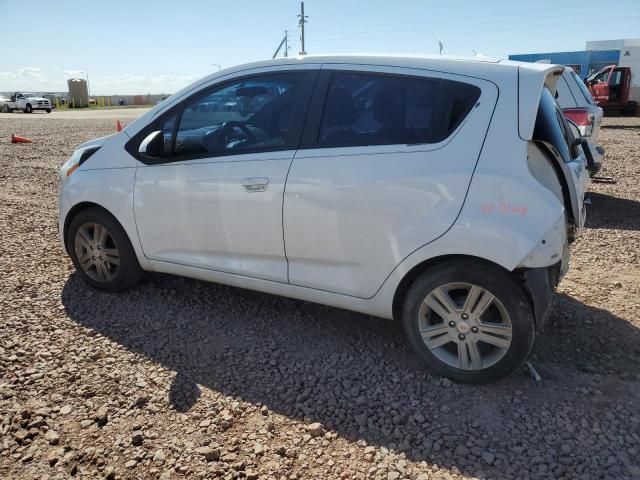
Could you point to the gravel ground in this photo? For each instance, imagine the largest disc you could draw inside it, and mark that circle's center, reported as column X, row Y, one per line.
column 122, row 113
column 184, row 379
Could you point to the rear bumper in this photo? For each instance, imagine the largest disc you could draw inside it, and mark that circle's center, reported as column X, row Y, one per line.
column 541, row 284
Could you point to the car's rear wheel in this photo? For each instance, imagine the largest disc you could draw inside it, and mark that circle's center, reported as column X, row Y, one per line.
column 5, row 108
column 468, row 321
column 101, row 251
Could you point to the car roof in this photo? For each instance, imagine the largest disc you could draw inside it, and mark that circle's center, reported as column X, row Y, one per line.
column 473, row 66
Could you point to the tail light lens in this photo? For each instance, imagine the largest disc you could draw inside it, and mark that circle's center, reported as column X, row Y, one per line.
column 582, row 117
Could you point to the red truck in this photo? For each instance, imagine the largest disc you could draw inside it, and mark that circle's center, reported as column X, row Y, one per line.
column 611, row 90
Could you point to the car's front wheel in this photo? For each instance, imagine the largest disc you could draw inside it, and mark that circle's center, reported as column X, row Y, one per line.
column 28, row 109
column 101, row 251
column 468, row 321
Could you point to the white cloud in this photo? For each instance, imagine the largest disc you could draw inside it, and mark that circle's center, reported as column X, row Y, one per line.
column 33, row 79
column 74, row 73
column 26, row 78
column 140, row 84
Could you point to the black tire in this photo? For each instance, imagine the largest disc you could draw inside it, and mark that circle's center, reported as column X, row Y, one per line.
column 48, row 110
column 630, row 109
column 5, row 108
column 28, row 108
column 508, row 290
column 128, row 273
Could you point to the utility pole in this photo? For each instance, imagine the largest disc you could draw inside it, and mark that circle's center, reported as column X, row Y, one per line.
column 301, row 22
column 286, row 43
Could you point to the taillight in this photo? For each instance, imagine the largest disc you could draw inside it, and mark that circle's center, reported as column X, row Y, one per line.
column 582, row 117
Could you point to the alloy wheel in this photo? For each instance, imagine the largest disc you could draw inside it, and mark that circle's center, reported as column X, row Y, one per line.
column 465, row 326
column 97, row 252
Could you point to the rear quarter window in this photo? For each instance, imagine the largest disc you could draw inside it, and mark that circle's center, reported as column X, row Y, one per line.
column 564, row 96
column 583, row 88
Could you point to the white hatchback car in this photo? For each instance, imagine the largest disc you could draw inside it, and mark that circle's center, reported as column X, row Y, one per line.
column 439, row 192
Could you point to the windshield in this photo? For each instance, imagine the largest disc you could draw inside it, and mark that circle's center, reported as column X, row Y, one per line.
column 592, row 75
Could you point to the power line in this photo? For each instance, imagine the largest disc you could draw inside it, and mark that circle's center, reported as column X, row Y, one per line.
column 541, row 22
column 580, row 8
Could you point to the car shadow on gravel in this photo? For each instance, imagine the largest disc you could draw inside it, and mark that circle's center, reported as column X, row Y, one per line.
column 590, row 340
column 353, row 374
column 610, row 212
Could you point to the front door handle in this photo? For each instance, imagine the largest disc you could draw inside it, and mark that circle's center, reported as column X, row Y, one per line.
column 255, row 184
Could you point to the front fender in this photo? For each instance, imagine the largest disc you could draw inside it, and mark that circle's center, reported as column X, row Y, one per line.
column 111, row 189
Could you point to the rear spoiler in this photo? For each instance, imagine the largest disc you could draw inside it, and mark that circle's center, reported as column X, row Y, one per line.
column 532, row 78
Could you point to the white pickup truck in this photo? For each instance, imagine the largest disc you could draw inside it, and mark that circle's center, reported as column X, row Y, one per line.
column 25, row 102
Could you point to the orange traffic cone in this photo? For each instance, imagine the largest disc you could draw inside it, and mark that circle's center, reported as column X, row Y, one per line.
column 16, row 139
column 118, row 126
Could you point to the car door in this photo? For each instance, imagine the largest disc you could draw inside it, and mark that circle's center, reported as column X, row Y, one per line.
column 616, row 86
column 213, row 199
column 386, row 160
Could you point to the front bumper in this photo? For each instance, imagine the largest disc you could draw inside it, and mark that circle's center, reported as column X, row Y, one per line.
column 63, row 209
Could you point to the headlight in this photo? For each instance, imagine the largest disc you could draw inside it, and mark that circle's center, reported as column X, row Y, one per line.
column 78, row 158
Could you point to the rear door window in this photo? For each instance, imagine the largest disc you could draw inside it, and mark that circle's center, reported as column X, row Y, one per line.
column 377, row 109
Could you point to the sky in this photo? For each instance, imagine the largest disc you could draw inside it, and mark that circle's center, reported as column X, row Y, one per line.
column 139, row 47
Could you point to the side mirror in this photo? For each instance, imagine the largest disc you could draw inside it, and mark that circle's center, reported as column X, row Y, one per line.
column 152, row 147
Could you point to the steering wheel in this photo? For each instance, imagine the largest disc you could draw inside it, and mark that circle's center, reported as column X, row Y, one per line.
column 227, row 127
column 218, row 139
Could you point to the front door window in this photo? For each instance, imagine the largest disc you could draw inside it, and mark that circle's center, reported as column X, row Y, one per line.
column 245, row 116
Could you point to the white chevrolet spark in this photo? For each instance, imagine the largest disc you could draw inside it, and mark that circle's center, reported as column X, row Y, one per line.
column 439, row 192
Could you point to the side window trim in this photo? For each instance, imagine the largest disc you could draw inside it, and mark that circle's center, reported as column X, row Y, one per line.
column 316, row 107
column 297, row 122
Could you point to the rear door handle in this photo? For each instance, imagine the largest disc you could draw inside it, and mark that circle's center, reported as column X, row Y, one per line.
column 255, row 184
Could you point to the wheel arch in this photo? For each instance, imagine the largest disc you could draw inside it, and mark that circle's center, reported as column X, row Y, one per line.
column 418, row 269
column 75, row 210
